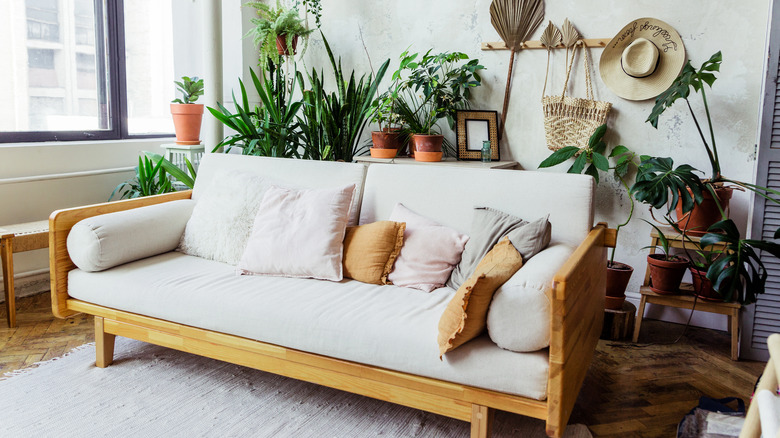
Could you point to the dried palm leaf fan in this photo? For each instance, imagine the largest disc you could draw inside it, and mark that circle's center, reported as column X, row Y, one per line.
column 569, row 36
column 515, row 21
column 550, row 39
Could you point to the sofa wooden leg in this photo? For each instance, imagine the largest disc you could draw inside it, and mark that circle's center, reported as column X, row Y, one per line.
column 481, row 421
column 104, row 345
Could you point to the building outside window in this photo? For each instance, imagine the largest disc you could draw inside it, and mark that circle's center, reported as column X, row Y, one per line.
column 65, row 80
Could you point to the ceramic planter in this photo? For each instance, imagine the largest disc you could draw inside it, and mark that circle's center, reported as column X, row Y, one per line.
column 383, row 153
column 387, row 139
column 666, row 275
column 187, row 119
column 702, row 286
column 697, row 221
column 618, row 275
column 281, row 44
column 426, row 147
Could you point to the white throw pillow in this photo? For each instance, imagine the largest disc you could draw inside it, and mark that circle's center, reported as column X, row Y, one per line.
column 107, row 240
column 429, row 254
column 222, row 218
column 299, row 233
column 519, row 315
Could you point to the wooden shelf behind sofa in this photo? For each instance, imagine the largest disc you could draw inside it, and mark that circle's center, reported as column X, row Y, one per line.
column 449, row 161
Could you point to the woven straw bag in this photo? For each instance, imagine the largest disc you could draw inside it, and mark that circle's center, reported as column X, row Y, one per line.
column 570, row 121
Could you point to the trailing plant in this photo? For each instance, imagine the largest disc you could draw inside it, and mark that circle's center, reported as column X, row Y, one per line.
column 273, row 22
column 270, row 129
column 592, row 159
column 190, row 88
column 312, row 7
column 333, row 123
column 436, row 87
column 150, row 179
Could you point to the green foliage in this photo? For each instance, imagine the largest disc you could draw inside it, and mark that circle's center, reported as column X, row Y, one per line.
column 270, row 129
column 436, row 87
column 663, row 241
column 173, row 170
column 332, row 123
column 660, row 184
column 272, row 22
column 738, row 274
column 191, row 89
column 150, row 179
column 594, row 157
column 692, row 79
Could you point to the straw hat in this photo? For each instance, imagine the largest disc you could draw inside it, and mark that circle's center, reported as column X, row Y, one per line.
column 643, row 59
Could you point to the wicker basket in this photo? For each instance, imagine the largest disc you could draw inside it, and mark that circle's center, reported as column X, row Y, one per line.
column 570, row 121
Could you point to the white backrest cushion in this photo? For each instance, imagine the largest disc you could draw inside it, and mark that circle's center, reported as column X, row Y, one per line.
column 449, row 194
column 307, row 174
column 107, row 240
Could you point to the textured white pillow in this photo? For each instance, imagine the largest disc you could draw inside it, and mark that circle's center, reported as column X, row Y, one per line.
column 519, row 315
column 101, row 242
column 222, row 218
column 299, row 233
column 429, row 254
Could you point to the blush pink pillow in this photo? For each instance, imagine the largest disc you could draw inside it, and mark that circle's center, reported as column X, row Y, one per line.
column 299, row 233
column 429, row 254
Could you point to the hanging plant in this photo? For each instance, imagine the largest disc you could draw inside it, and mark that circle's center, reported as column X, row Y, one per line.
column 280, row 25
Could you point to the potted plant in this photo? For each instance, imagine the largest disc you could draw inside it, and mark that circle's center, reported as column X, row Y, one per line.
column 277, row 30
column 713, row 196
column 666, row 269
column 591, row 160
column 389, row 141
column 436, row 87
column 188, row 115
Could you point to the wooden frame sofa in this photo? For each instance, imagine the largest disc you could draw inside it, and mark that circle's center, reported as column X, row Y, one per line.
column 576, row 294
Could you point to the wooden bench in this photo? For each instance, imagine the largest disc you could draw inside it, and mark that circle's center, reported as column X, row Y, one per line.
column 19, row 238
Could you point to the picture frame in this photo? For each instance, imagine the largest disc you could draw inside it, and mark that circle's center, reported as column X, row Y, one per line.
column 472, row 128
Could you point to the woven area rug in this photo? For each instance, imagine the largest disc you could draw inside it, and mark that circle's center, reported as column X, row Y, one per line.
column 152, row 391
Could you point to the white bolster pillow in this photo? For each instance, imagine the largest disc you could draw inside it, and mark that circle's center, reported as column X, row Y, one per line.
column 101, row 242
column 519, row 315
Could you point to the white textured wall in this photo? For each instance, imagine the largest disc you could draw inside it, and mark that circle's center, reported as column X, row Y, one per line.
column 705, row 26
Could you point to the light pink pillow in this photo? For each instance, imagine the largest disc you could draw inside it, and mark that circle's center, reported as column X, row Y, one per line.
column 299, row 233
column 429, row 254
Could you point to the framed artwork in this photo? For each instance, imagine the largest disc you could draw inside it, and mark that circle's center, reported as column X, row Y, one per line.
column 473, row 128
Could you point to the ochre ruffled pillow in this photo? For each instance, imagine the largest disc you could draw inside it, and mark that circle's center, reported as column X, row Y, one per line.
column 371, row 250
column 466, row 314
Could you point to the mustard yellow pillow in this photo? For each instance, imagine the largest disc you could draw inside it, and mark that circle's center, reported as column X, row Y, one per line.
column 466, row 314
column 370, row 250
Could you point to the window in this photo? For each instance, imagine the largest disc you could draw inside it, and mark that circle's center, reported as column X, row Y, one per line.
column 66, row 80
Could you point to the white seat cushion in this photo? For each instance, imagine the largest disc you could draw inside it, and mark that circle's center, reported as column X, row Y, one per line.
column 386, row 326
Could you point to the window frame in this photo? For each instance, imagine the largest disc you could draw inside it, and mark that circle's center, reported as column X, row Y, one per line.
column 109, row 30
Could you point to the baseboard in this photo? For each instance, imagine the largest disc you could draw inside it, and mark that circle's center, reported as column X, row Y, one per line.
column 680, row 316
column 27, row 284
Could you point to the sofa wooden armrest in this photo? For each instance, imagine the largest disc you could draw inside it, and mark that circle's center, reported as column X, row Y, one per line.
column 577, row 297
column 60, row 223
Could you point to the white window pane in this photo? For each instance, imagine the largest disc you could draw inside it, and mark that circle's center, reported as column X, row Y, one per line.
column 55, row 80
column 149, row 66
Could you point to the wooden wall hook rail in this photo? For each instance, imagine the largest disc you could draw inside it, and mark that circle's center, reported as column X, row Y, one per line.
column 589, row 42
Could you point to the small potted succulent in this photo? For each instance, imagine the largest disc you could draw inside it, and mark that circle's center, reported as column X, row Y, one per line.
column 277, row 30
column 436, row 87
column 591, row 160
column 188, row 115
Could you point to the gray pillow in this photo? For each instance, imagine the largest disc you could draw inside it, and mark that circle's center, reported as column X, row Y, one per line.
column 488, row 226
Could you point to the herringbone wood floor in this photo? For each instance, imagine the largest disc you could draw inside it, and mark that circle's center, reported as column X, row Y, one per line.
column 631, row 390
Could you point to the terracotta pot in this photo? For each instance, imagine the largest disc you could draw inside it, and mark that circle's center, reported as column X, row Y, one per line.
column 425, row 143
column 666, row 275
column 187, row 118
column 383, row 153
column 702, row 286
column 281, row 44
column 697, row 221
column 386, row 139
column 618, row 275
column 428, row 157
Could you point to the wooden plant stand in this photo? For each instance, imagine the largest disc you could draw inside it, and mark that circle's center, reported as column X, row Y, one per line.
column 19, row 238
column 685, row 300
